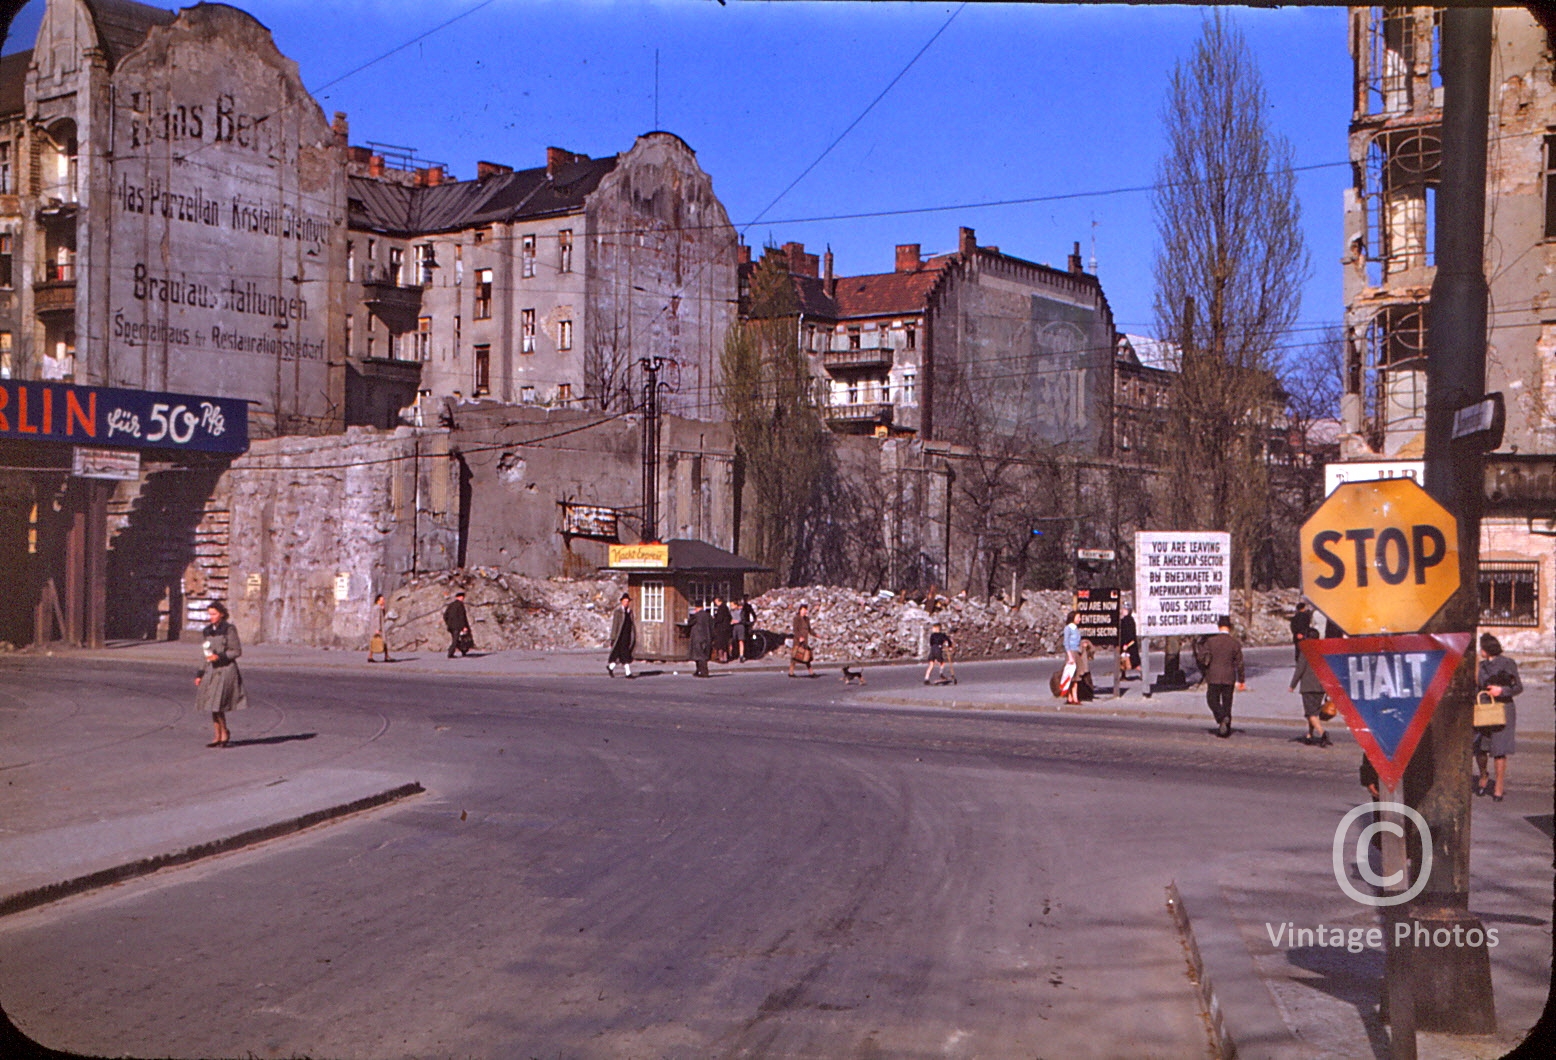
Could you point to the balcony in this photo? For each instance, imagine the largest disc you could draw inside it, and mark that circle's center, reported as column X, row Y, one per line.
column 55, row 295
column 859, row 414
column 395, row 305
column 867, row 357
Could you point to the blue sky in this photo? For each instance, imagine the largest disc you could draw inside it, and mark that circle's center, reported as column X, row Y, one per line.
column 1009, row 102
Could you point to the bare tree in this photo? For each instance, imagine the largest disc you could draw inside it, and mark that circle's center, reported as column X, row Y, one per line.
column 1229, row 272
column 769, row 394
column 1312, row 378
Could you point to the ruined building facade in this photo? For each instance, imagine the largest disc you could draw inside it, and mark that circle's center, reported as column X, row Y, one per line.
column 541, row 286
column 1395, row 151
column 177, row 212
column 963, row 347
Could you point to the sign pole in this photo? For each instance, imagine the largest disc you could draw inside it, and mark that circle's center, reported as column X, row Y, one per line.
column 1453, row 990
column 1399, row 1000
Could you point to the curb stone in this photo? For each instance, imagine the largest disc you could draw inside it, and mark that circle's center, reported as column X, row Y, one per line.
column 36, row 896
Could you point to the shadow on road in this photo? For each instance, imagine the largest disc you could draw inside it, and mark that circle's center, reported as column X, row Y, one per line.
column 259, row 741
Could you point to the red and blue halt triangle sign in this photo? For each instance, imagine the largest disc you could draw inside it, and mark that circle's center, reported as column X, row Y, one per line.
column 1388, row 688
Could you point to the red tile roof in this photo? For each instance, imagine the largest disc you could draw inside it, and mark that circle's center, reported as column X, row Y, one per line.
column 889, row 293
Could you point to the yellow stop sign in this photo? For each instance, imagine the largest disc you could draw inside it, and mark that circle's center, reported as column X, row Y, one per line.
column 1380, row 557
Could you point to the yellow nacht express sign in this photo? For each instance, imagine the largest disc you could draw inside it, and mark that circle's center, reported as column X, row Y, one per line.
column 1380, row 557
column 645, row 557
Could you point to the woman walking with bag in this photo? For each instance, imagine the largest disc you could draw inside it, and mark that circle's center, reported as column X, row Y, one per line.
column 1303, row 679
column 219, row 685
column 802, row 652
column 1498, row 679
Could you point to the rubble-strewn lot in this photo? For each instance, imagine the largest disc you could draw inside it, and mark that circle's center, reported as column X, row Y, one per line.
column 507, row 611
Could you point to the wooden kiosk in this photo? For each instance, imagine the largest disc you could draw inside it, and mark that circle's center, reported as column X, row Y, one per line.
column 665, row 579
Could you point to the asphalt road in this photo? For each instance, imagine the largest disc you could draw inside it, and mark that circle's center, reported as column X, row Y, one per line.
column 747, row 866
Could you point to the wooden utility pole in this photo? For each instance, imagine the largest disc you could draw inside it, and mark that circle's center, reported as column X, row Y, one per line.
column 1452, row 985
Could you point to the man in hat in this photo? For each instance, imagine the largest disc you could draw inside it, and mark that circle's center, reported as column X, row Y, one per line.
column 624, row 637
column 458, row 624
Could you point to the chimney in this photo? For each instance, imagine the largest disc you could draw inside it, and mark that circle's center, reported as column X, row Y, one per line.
column 375, row 165
column 1075, row 258
column 435, row 176
column 490, row 169
column 829, row 283
column 557, row 157
column 966, row 242
column 800, row 263
column 742, row 254
column 908, row 259
column 341, row 129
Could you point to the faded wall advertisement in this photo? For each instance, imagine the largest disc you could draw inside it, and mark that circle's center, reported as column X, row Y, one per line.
column 227, row 205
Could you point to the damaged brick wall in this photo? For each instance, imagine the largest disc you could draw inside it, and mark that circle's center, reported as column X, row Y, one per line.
column 321, row 525
column 523, row 463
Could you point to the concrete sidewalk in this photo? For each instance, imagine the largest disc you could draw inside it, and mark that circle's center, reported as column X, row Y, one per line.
column 174, row 805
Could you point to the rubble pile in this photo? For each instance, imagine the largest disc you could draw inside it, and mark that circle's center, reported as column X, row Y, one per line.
column 506, row 611
column 851, row 625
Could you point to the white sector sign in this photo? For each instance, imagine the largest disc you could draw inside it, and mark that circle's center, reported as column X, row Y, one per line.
column 1183, row 581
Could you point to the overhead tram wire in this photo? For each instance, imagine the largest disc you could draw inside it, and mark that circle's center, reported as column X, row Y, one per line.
column 839, row 139
column 311, row 94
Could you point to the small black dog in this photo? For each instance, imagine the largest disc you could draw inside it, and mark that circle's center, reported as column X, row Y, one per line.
column 853, row 675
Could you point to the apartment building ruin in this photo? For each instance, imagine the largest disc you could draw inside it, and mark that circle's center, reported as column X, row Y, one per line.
column 1395, row 152
column 957, row 346
column 541, row 286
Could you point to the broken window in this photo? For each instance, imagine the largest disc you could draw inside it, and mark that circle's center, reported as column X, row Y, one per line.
column 564, row 242
column 1550, row 186
column 396, row 264
column 7, row 181
column 1509, row 593
column 527, row 331
column 350, row 323
column 5, row 259
column 564, row 392
column 526, row 395
column 910, row 389
column 564, row 335
column 1388, row 371
column 1388, row 62
column 483, row 370
column 527, row 256
column 351, row 260
column 7, row 369
column 910, row 339
column 483, row 294
column 1399, row 193
column 424, row 338
column 426, row 261
column 854, row 338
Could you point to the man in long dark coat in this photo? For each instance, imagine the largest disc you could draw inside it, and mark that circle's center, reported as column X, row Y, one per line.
column 624, row 637
column 701, row 630
column 721, row 629
column 458, row 625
